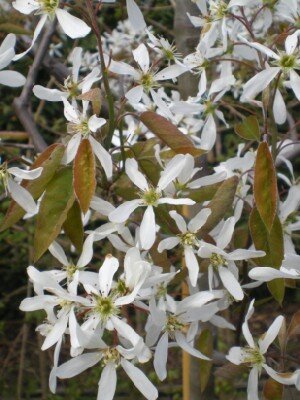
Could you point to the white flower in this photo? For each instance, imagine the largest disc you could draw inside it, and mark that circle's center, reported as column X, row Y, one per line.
column 145, row 78
column 72, row 87
column 110, row 358
column 178, row 321
column 223, row 263
column 18, row 192
column 284, row 63
column 150, row 197
column 7, row 53
column 188, row 240
column 59, row 306
column 83, row 127
column 254, row 355
column 72, row 26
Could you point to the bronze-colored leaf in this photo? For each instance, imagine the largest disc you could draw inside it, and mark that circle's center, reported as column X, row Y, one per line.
column 84, row 174
column 73, row 226
column 272, row 390
column 248, row 129
column 169, row 134
column 265, row 185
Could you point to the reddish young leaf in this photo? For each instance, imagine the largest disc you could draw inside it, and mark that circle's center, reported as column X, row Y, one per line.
column 56, row 202
column 169, row 134
column 84, row 174
column 50, row 160
column 272, row 390
column 265, row 185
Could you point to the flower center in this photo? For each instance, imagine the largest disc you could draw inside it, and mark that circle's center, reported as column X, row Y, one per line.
column 71, row 269
column 188, row 239
column 161, row 291
column 253, row 356
column 148, row 81
column 71, row 87
column 121, row 288
column 49, row 6
column 82, row 128
column 173, row 325
column 287, row 61
column 4, row 175
column 110, row 355
column 209, row 107
column 105, row 307
column 217, row 260
column 219, row 10
column 151, row 197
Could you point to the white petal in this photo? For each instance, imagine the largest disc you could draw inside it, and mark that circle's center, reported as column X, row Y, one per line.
column 258, row 83
column 72, row 26
column 208, row 134
column 141, row 57
column 75, row 58
column 22, row 197
column 25, row 174
column 37, row 303
column 135, row 16
column 57, row 251
column 192, row 264
column 148, row 229
column 108, row 382
column 279, row 109
column 106, row 274
column 241, row 254
column 77, row 365
column 266, row 274
column 180, row 222
column 231, row 284
column 172, row 170
column 57, row 331
column 225, row 235
column 87, row 252
column 36, row 33
column 291, row 42
column 122, row 213
column 12, row 78
column 72, row 148
column 284, row 379
column 47, row 94
column 132, row 170
column 295, row 83
column 125, row 331
column 252, row 387
column 95, row 123
column 236, row 355
column 103, row 156
column 168, row 200
column 161, row 357
column 170, row 72
column 245, row 327
column 141, row 382
column 52, row 375
column 182, row 342
column 134, row 95
column 168, row 244
column 271, row 334
column 199, row 220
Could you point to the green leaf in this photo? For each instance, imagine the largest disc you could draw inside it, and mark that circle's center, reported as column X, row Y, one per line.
column 272, row 390
column 248, row 129
column 56, row 202
column 221, row 203
column 272, row 243
column 265, row 185
column 205, row 345
column 50, row 160
column 8, row 27
column 169, row 134
column 84, row 174
column 73, row 226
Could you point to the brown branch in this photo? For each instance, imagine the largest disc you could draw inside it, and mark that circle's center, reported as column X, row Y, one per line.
column 22, row 104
